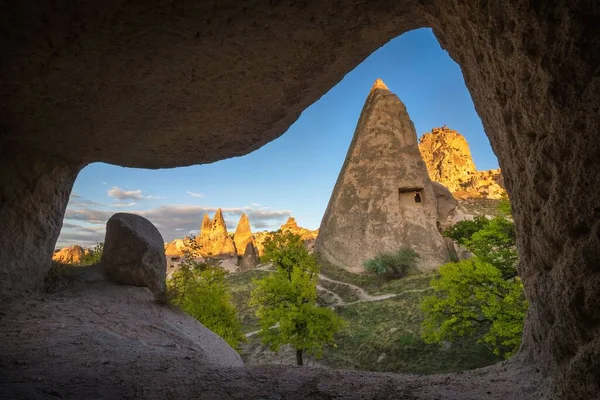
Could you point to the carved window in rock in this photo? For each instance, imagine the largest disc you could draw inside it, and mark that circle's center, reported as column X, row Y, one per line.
column 411, row 196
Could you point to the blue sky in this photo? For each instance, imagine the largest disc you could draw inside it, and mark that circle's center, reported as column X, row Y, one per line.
column 293, row 175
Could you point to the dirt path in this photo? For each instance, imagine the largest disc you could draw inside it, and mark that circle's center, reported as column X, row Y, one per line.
column 360, row 292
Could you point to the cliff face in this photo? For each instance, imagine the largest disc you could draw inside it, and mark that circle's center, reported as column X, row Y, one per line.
column 448, row 158
column 214, row 239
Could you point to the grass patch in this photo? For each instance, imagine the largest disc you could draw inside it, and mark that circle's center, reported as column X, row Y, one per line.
column 344, row 291
column 385, row 336
column 411, row 283
column 241, row 286
column 339, row 274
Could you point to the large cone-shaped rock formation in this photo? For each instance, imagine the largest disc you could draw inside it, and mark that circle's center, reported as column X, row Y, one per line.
column 383, row 198
column 242, row 235
column 214, row 239
column 448, row 158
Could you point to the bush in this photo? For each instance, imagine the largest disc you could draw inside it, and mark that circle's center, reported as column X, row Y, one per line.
column 201, row 290
column 94, row 256
column 393, row 265
column 472, row 298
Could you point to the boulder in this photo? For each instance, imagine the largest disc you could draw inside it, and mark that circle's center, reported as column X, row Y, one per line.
column 134, row 252
column 446, row 205
column 250, row 258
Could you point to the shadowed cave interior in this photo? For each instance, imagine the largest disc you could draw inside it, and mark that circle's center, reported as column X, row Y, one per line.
column 84, row 84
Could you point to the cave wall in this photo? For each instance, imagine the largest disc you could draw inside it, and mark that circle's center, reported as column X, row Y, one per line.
column 34, row 192
column 168, row 83
column 533, row 72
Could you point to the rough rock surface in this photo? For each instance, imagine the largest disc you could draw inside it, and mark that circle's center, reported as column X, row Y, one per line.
column 34, row 191
column 250, row 258
column 70, row 255
column 134, row 252
column 98, row 340
column 448, row 158
column 176, row 248
column 446, row 206
column 214, row 239
column 292, row 226
column 243, row 235
column 383, row 198
column 166, row 85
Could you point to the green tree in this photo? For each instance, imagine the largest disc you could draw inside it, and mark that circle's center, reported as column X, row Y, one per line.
column 94, row 256
column 201, row 290
column 463, row 230
column 481, row 296
column 472, row 298
column 393, row 265
column 286, row 300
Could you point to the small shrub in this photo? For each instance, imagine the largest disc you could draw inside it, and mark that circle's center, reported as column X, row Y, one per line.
column 393, row 265
column 201, row 290
column 94, row 256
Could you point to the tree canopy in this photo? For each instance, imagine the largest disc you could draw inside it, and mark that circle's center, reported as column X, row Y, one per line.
column 481, row 296
column 286, row 300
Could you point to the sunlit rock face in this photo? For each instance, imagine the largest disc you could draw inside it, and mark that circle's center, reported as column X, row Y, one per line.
column 383, row 199
column 162, row 86
column 243, row 235
column 70, row 255
column 448, row 158
column 214, row 240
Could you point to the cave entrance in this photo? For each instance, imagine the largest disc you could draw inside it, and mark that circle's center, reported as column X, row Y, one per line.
column 411, row 196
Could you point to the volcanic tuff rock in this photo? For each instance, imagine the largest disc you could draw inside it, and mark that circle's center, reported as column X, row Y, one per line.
column 531, row 68
column 70, row 255
column 134, row 252
column 214, row 239
column 292, row 226
column 175, row 248
column 383, row 198
column 243, row 235
column 448, row 158
column 250, row 258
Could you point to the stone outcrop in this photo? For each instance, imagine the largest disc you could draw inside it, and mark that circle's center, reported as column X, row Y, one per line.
column 292, row 226
column 448, row 158
column 133, row 86
column 175, row 248
column 383, row 198
column 446, row 206
column 213, row 238
column 250, row 258
column 134, row 252
column 243, row 235
column 70, row 255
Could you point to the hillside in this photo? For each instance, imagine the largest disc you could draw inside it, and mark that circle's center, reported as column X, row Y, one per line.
column 372, row 340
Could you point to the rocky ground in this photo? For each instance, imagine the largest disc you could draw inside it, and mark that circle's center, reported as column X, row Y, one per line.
column 96, row 340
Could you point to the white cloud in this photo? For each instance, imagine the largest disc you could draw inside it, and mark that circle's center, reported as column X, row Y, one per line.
column 121, row 194
column 173, row 221
column 194, row 194
column 123, row 204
